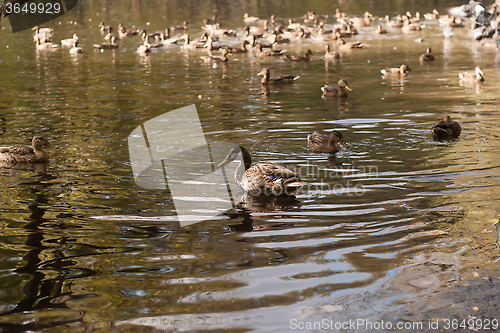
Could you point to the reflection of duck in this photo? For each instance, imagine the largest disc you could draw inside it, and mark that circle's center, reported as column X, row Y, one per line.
column 339, row 90
column 263, row 177
column 267, row 79
column 321, row 143
column 24, row 153
column 446, row 128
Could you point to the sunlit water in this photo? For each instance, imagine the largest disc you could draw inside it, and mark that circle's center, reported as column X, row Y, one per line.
column 83, row 246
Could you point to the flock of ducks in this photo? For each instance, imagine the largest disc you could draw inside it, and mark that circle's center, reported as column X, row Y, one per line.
column 263, row 177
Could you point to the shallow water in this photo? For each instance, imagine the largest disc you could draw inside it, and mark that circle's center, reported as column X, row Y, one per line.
column 84, row 247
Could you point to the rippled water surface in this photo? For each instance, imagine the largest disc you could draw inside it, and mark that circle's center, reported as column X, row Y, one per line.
column 82, row 246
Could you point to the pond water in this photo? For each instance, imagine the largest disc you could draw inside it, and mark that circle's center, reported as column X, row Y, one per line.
column 397, row 214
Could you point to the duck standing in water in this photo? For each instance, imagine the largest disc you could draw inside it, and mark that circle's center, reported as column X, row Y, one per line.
column 446, row 129
column 263, row 177
column 25, row 154
column 339, row 90
column 322, row 143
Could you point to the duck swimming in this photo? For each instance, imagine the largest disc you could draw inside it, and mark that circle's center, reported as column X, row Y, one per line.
column 267, row 79
column 321, row 143
column 446, row 128
column 339, row 90
column 263, row 177
column 427, row 56
column 400, row 71
column 26, row 154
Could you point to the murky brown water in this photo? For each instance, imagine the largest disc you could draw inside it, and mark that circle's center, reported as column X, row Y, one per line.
column 84, row 247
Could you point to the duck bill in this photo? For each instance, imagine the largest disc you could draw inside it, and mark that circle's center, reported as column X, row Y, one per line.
column 260, row 74
column 342, row 142
column 224, row 162
column 348, row 88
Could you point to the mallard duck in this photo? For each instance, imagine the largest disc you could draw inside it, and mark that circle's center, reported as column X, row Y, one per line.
column 364, row 21
column 144, row 48
column 196, row 44
column 44, row 45
column 44, row 34
column 250, row 19
column 70, row 42
column 122, row 32
column 331, row 54
column 396, row 71
column 339, row 90
column 427, row 56
column 75, row 49
column 266, row 79
column 446, row 128
column 214, row 58
column 476, row 76
column 348, row 46
column 243, row 49
column 104, row 28
column 26, row 154
column 380, row 30
column 109, row 34
column 107, row 46
column 322, row 143
column 263, row 177
column 305, row 57
column 181, row 27
column 268, row 53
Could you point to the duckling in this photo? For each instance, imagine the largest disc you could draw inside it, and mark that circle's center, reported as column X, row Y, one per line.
column 305, row 57
column 75, row 49
column 400, row 71
column 107, row 46
column 477, row 76
column 331, row 55
column 70, row 42
column 266, row 178
column 267, row 79
column 446, row 128
column 26, row 154
column 321, row 143
column 339, row 90
column 427, row 56
column 342, row 45
column 213, row 58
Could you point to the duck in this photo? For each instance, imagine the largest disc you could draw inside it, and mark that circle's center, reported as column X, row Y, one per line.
column 380, row 30
column 163, row 40
column 348, row 46
column 267, row 79
column 243, row 49
column 476, row 76
column 446, row 128
column 104, row 28
column 401, row 71
column 331, row 55
column 109, row 34
column 44, row 34
column 144, row 48
column 322, row 143
column 427, row 56
column 24, row 153
column 213, row 58
column 268, row 53
column 339, row 90
column 107, row 46
column 70, row 42
column 305, row 57
column 45, row 45
column 122, row 32
column 250, row 19
column 75, row 49
column 267, row 178
column 181, row 27
column 196, row 44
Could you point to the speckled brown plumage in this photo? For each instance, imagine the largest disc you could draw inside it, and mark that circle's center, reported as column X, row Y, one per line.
column 263, row 177
column 25, row 154
column 322, row 143
column 446, row 128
